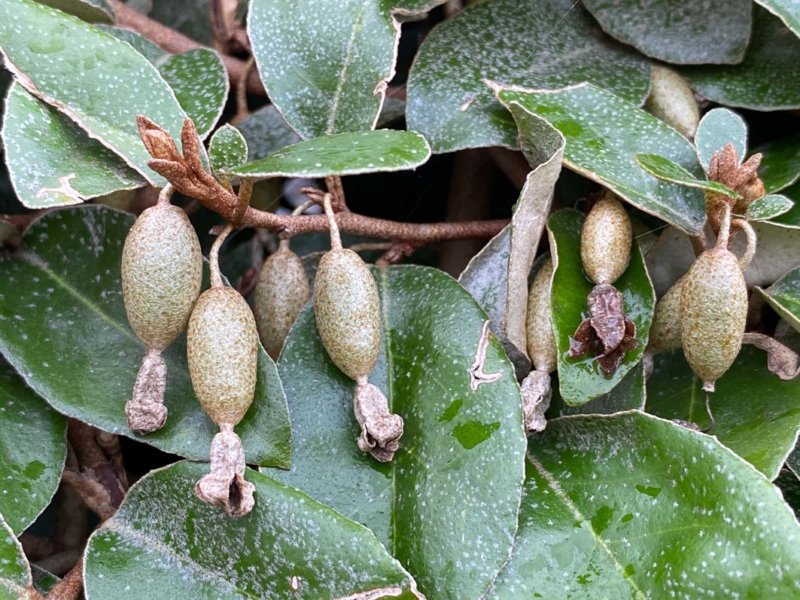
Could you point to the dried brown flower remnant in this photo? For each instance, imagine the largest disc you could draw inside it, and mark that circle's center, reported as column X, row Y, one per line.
column 743, row 179
column 380, row 429
column 607, row 333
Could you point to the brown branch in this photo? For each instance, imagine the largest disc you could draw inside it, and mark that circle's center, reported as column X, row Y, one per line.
column 177, row 43
column 71, row 586
column 187, row 175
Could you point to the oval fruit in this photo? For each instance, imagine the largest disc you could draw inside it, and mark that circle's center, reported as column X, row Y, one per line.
column 672, row 100
column 665, row 333
column 347, row 310
column 162, row 270
column 713, row 314
column 281, row 293
column 606, row 241
column 539, row 323
column 222, row 350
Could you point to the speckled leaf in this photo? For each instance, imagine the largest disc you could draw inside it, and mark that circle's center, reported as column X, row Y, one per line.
column 51, row 161
column 200, row 83
column 227, row 149
column 791, row 218
column 769, row 207
column 784, row 297
column 39, row 47
column 780, row 163
column 765, row 80
column 665, row 169
column 717, row 128
column 631, row 506
column 581, row 379
column 30, row 472
column 93, row 11
column 687, row 33
column 155, row 54
column 554, row 44
column 756, row 414
column 64, row 293
column 266, row 131
column 603, row 134
column 190, row 17
column 787, row 10
column 327, row 63
column 629, row 394
column 15, row 572
column 446, row 506
column 164, row 543
column 342, row 154
column 543, row 147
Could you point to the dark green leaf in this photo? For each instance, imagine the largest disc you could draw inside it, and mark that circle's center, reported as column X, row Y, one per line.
column 755, row 414
column 33, row 448
column 327, row 63
column 665, row 169
column 717, row 128
column 93, row 11
column 784, row 297
column 551, row 44
column 155, row 54
column 766, row 80
column 780, row 163
column 687, row 33
column 164, row 543
column 629, row 394
column 342, row 154
column 101, row 82
column 266, row 131
column 543, row 147
column 769, row 207
column 227, row 149
column 787, row 10
column 65, row 330
column 581, row 379
column 200, row 83
column 15, row 572
column 604, row 133
column 190, row 17
column 446, row 506
column 630, row 506
column 51, row 161
column 43, row 580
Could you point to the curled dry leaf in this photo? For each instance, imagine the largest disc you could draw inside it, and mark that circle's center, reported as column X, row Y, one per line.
column 781, row 360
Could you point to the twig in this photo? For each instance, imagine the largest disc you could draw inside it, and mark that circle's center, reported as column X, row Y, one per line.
column 187, row 175
column 177, row 43
column 336, row 238
column 71, row 586
column 334, row 185
column 396, row 253
column 213, row 256
column 242, row 109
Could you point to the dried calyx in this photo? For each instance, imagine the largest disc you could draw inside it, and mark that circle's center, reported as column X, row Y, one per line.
column 743, row 179
column 606, row 240
column 161, row 278
column 222, row 352
column 347, row 312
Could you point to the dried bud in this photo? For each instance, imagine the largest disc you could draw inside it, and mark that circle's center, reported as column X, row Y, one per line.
column 539, row 324
column 665, row 333
column 347, row 310
column 606, row 241
column 157, row 141
column 380, row 429
column 713, row 310
column 280, row 294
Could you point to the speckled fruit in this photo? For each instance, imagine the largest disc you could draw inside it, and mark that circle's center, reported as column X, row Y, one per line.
column 539, row 325
column 222, row 348
column 162, row 270
column 606, row 241
column 347, row 309
column 665, row 333
column 713, row 314
column 672, row 100
column 281, row 293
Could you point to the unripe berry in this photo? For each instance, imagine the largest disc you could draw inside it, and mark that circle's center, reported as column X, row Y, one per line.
column 222, row 350
column 606, row 241
column 347, row 310
column 162, row 270
column 539, row 324
column 672, row 100
column 281, row 293
column 713, row 314
column 665, row 333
